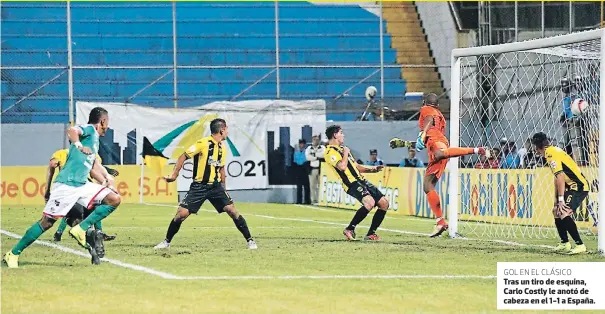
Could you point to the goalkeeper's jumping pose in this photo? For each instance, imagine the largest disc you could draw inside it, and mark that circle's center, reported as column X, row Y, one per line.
column 57, row 161
column 432, row 137
column 571, row 188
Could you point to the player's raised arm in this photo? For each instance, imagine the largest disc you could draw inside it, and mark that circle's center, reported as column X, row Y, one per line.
column 177, row 168
column 74, row 133
column 344, row 162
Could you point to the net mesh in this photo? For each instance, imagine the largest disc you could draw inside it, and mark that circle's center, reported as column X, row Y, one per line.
column 505, row 99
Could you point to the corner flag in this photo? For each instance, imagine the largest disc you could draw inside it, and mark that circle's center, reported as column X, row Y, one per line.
column 153, row 158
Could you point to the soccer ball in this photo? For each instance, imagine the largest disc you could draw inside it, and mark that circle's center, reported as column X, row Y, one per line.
column 579, row 106
column 371, row 92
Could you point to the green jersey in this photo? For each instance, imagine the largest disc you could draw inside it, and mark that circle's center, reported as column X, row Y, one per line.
column 78, row 165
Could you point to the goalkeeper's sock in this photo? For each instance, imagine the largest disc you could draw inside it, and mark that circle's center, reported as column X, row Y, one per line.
column 31, row 235
column 458, row 151
column 98, row 225
column 561, row 230
column 173, row 228
column 242, row 226
column 360, row 215
column 97, row 215
column 62, row 226
column 571, row 227
column 376, row 221
column 435, row 204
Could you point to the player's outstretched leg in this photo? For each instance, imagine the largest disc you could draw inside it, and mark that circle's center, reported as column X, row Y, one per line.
column 109, row 204
column 31, row 235
column 452, row 152
column 173, row 227
column 360, row 215
column 241, row 225
column 60, row 230
column 383, row 206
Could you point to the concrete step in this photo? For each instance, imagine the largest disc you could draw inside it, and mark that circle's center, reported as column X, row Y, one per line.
column 406, row 59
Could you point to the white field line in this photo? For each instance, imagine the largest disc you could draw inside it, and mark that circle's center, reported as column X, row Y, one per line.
column 512, row 243
column 284, row 277
column 110, row 261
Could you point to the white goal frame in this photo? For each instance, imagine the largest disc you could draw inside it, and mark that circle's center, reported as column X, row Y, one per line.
column 457, row 54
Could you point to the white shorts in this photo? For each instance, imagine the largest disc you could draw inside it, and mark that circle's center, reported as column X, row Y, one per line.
column 63, row 197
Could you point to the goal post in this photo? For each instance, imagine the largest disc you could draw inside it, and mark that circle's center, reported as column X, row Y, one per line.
column 501, row 95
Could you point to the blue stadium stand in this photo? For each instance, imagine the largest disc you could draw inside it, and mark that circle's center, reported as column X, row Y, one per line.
column 219, row 34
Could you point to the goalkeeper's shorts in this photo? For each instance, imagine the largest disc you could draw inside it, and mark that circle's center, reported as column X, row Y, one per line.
column 436, row 168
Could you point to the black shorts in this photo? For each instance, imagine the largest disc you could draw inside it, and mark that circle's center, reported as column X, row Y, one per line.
column 77, row 213
column 200, row 192
column 359, row 189
column 574, row 199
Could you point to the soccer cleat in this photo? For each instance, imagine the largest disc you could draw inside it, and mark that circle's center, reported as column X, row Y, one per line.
column 349, row 234
column 91, row 239
column 252, row 245
column 107, row 237
column 372, row 237
column 563, row 247
column 439, row 229
column 79, row 235
column 11, row 260
column 163, row 245
column 484, row 151
column 397, row 142
column 58, row 236
column 578, row 249
column 99, row 236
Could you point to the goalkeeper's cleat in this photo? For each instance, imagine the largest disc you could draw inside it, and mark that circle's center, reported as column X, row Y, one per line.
column 439, row 229
column 563, row 247
column 91, row 238
column 578, row 249
column 163, row 245
column 252, row 245
column 79, row 235
column 57, row 236
column 396, row 142
column 107, row 237
column 349, row 234
column 11, row 260
column 372, row 237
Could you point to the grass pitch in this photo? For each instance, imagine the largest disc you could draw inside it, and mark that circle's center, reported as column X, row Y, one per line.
column 302, row 265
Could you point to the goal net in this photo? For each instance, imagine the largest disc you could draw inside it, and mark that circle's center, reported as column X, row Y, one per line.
column 501, row 96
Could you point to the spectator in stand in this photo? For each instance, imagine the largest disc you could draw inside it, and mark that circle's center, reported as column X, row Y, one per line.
column 374, row 160
column 491, row 163
column 523, row 153
column 411, row 161
column 511, row 158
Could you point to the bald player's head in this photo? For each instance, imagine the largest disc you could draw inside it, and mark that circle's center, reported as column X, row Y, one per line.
column 431, row 99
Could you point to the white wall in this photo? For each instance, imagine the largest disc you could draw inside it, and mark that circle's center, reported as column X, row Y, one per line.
column 440, row 28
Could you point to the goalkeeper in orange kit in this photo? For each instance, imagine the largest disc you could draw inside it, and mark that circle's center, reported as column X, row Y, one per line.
column 432, row 137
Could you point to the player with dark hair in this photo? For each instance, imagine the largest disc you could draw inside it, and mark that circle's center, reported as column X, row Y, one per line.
column 571, row 188
column 343, row 163
column 72, row 186
column 209, row 156
column 57, row 161
column 432, row 136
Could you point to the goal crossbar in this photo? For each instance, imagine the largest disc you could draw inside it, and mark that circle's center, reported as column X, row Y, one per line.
column 458, row 54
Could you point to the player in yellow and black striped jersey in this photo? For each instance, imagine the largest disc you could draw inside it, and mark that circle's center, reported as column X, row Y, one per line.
column 209, row 157
column 343, row 163
column 571, row 189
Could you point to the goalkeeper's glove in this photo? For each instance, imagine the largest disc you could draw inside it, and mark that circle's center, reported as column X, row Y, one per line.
column 420, row 141
column 112, row 172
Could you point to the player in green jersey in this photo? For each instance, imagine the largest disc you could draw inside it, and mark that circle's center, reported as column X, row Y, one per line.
column 71, row 186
